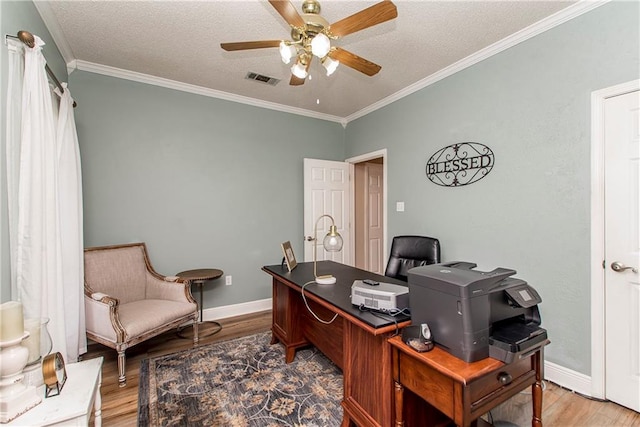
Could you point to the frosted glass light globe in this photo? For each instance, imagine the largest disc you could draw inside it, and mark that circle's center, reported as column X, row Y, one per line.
column 320, row 45
column 299, row 70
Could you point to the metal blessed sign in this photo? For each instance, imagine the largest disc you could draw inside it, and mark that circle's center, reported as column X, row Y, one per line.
column 460, row 164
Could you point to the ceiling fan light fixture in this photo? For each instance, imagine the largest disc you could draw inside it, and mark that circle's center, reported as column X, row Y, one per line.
column 330, row 65
column 299, row 70
column 320, row 45
column 287, row 52
column 311, row 35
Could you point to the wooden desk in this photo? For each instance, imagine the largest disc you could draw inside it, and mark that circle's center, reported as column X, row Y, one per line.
column 72, row 407
column 356, row 341
column 462, row 391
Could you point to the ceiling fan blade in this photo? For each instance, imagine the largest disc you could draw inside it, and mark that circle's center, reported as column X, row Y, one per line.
column 288, row 12
column 354, row 61
column 374, row 15
column 250, row 45
column 296, row 81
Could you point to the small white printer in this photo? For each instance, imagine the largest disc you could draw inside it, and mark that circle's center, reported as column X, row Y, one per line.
column 379, row 296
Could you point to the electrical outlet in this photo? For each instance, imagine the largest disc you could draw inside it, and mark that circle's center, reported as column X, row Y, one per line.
column 228, row 280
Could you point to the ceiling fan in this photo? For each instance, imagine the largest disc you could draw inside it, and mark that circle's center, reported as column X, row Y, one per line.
column 311, row 36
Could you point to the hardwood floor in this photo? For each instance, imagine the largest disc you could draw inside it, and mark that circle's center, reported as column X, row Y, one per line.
column 561, row 407
column 564, row 408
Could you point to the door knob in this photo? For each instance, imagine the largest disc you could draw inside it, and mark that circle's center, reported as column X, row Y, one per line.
column 620, row 267
column 309, row 239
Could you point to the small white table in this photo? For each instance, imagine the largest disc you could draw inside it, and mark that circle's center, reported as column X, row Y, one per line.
column 72, row 407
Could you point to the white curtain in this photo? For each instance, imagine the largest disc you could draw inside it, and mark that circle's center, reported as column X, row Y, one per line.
column 70, row 197
column 45, row 204
column 13, row 130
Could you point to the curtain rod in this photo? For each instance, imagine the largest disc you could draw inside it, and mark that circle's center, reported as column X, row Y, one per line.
column 27, row 38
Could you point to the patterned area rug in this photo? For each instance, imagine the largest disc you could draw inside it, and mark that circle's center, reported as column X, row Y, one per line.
column 237, row 383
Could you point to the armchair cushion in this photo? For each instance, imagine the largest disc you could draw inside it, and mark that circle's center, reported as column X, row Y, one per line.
column 137, row 318
column 140, row 317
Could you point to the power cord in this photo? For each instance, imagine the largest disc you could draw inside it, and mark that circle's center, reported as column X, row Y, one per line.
column 391, row 313
column 387, row 315
column 326, row 322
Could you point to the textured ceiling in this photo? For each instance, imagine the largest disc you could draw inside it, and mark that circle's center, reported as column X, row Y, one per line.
column 180, row 41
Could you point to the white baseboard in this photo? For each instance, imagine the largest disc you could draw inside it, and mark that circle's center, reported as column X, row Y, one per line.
column 226, row 311
column 560, row 375
column 567, row 378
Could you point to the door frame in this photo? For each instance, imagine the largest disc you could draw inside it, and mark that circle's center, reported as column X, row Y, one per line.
column 598, row 386
column 352, row 203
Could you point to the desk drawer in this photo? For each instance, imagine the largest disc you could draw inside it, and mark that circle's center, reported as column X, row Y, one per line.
column 426, row 382
column 491, row 383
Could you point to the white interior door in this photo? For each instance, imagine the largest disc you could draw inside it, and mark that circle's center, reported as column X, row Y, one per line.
column 622, row 233
column 374, row 219
column 326, row 191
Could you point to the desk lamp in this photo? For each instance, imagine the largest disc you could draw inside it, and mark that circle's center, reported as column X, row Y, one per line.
column 332, row 243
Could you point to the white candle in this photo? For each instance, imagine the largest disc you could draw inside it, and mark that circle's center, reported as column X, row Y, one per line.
column 33, row 342
column 11, row 321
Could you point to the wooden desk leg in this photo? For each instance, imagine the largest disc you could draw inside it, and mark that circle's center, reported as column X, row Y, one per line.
column 290, row 354
column 399, row 395
column 346, row 422
column 536, row 392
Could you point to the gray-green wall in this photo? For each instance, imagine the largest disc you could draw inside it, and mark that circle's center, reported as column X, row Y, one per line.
column 531, row 105
column 211, row 183
column 204, row 182
column 16, row 16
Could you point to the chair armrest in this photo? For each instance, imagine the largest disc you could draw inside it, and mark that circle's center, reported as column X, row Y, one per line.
column 102, row 318
column 169, row 288
column 105, row 299
column 101, row 313
column 99, row 296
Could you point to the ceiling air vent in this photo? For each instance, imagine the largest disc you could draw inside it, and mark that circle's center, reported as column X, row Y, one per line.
column 263, row 79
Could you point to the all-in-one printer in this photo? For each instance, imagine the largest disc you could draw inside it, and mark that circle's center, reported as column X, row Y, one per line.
column 474, row 314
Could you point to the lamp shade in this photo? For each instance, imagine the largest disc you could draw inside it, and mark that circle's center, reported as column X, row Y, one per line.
column 330, row 65
column 299, row 70
column 333, row 240
column 286, row 52
column 320, row 45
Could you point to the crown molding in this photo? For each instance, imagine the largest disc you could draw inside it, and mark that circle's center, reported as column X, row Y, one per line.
column 571, row 12
column 52, row 24
column 552, row 21
column 199, row 90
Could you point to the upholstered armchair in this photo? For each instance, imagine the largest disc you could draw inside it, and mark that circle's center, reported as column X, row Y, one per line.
column 127, row 302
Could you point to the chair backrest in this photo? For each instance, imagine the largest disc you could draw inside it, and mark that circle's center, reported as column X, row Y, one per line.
column 411, row 251
column 118, row 271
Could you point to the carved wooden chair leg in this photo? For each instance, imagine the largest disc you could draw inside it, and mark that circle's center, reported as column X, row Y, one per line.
column 122, row 378
column 195, row 332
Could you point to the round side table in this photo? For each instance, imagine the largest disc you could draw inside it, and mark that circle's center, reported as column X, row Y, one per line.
column 199, row 277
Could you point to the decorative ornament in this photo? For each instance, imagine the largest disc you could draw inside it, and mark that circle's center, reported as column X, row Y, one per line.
column 460, row 164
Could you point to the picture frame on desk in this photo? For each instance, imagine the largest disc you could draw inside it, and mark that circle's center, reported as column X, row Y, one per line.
column 289, row 256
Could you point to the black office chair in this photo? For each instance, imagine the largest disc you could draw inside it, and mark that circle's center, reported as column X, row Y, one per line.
column 411, row 251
